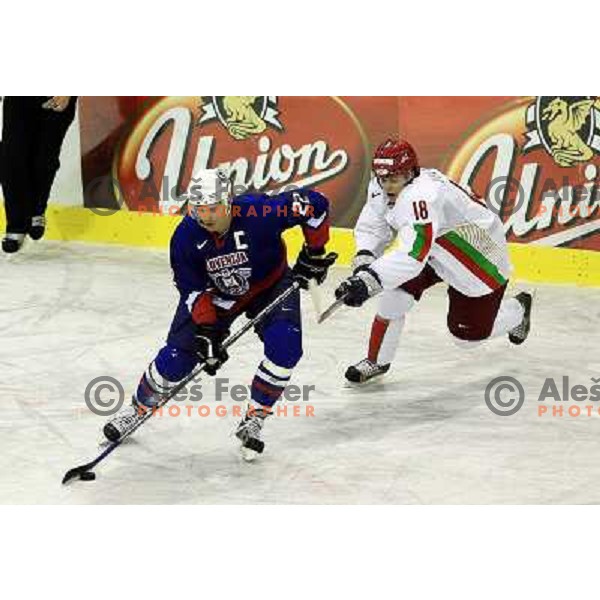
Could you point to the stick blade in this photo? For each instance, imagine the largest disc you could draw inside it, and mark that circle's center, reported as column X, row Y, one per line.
column 75, row 472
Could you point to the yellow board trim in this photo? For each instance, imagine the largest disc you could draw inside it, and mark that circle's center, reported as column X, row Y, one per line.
column 75, row 223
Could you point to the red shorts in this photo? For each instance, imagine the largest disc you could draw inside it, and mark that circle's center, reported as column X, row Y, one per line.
column 468, row 318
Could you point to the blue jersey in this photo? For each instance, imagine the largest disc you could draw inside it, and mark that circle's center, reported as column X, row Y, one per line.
column 251, row 256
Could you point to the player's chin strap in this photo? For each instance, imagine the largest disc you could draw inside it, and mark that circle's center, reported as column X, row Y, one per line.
column 77, row 471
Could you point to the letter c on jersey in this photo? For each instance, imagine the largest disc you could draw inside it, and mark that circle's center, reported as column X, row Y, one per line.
column 238, row 240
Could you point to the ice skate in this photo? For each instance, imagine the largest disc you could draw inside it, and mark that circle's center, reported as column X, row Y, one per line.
column 365, row 370
column 249, row 432
column 122, row 422
column 519, row 334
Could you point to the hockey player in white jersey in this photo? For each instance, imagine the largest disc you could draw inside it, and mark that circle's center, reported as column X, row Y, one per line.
column 445, row 233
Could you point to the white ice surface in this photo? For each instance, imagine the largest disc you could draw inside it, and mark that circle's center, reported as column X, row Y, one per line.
column 71, row 312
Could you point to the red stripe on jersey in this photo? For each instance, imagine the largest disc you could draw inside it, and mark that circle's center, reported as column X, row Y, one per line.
column 317, row 238
column 469, row 263
column 428, row 233
column 204, row 311
column 218, row 239
column 378, row 330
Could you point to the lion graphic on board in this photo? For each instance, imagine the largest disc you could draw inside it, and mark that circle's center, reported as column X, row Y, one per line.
column 241, row 118
column 564, row 123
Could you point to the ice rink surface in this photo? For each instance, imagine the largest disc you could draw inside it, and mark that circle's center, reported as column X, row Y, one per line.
column 72, row 312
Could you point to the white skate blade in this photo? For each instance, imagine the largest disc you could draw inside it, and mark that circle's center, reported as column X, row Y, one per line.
column 247, row 454
column 376, row 380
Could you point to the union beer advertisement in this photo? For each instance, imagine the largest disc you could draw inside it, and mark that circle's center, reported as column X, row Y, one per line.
column 535, row 160
column 140, row 153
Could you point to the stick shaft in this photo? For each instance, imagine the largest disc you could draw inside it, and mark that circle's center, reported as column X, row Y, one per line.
column 334, row 307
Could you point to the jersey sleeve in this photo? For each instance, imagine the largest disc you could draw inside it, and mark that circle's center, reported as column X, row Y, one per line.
column 189, row 275
column 307, row 208
column 417, row 222
column 372, row 231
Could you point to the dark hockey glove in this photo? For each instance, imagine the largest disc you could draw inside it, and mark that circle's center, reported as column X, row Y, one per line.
column 208, row 341
column 312, row 265
column 356, row 290
column 362, row 260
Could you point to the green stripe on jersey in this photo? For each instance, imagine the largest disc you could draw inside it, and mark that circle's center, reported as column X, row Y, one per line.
column 420, row 240
column 482, row 262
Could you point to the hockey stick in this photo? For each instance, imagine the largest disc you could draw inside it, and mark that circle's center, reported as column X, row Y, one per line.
column 316, row 296
column 335, row 306
column 314, row 290
column 80, row 470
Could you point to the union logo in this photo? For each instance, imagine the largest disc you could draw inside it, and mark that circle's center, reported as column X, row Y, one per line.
column 322, row 146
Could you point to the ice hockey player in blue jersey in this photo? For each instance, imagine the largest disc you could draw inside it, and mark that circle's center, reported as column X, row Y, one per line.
column 228, row 259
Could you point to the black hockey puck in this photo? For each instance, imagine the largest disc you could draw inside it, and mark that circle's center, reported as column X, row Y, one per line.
column 87, row 476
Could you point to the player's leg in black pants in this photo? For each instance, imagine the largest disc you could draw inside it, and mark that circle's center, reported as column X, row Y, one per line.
column 51, row 130
column 18, row 140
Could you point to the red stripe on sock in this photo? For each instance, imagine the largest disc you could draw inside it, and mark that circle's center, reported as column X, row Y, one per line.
column 267, row 388
column 378, row 330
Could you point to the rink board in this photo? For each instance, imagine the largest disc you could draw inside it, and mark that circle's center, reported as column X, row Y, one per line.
column 132, row 228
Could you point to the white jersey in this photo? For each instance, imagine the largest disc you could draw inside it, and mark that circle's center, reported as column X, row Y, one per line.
column 437, row 223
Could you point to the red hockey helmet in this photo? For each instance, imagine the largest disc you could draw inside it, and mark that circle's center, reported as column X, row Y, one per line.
column 395, row 157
